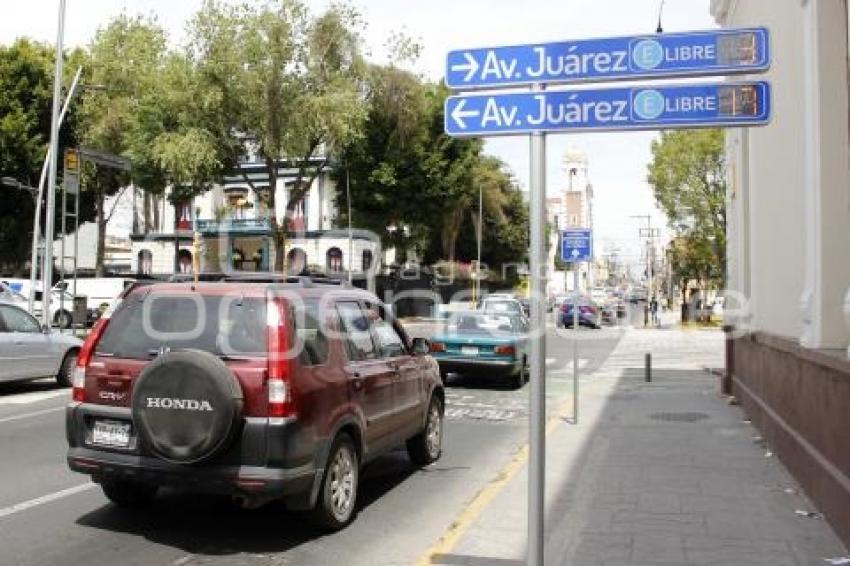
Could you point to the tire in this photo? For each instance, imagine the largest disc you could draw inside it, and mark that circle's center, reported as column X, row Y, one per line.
column 128, row 493
column 337, row 499
column 66, row 370
column 63, row 319
column 427, row 446
column 518, row 378
column 187, row 406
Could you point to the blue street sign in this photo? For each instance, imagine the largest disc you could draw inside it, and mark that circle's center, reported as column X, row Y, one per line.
column 576, row 245
column 700, row 53
column 625, row 108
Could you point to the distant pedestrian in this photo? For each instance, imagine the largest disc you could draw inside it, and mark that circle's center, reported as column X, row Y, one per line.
column 653, row 309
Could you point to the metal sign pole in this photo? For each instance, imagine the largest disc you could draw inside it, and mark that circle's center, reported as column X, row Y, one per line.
column 537, row 423
column 575, row 345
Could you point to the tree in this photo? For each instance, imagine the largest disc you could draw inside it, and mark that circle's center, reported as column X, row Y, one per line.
column 404, row 170
column 26, row 95
column 290, row 83
column 124, row 60
column 687, row 175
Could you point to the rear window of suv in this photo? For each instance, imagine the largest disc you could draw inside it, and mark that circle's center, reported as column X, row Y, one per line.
column 228, row 326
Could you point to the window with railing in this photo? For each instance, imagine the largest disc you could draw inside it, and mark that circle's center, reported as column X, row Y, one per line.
column 183, row 216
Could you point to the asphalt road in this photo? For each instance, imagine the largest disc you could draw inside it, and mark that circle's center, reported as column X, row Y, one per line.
column 49, row 515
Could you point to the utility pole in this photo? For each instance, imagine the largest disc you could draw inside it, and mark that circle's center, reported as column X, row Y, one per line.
column 50, row 219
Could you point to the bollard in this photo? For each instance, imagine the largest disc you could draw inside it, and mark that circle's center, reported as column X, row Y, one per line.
column 647, row 367
column 726, row 378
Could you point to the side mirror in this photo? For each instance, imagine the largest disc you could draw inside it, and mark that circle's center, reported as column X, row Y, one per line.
column 421, row 346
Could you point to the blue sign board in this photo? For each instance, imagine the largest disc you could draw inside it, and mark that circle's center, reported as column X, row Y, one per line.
column 625, row 108
column 701, row 53
column 576, row 245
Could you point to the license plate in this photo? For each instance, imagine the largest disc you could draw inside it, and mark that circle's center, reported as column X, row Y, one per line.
column 469, row 350
column 111, row 433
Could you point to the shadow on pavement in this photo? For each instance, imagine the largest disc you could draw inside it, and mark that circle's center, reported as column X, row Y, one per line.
column 36, row 386
column 212, row 525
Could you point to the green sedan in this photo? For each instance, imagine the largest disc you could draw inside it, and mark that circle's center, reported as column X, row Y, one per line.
column 483, row 344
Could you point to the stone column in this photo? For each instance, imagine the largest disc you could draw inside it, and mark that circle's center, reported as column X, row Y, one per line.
column 826, row 261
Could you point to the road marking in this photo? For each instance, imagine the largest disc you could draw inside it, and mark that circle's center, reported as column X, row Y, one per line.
column 32, row 414
column 34, row 396
column 483, row 498
column 18, row 507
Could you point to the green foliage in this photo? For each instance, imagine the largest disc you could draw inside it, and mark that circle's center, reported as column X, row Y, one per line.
column 25, row 95
column 687, row 174
column 404, row 171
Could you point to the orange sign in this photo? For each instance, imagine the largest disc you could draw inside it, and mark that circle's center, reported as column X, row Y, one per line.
column 72, row 160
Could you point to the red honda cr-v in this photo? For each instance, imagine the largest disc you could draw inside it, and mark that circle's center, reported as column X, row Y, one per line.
column 257, row 390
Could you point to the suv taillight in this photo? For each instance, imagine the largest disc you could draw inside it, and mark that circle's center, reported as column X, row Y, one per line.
column 78, row 381
column 281, row 402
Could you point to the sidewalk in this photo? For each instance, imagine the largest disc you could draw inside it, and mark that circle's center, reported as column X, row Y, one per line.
column 657, row 473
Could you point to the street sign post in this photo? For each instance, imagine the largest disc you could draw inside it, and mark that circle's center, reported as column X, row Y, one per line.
column 701, row 53
column 612, row 109
column 577, row 246
column 693, row 54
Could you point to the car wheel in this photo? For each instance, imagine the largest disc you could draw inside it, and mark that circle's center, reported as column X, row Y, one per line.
column 338, row 494
column 427, row 446
column 128, row 493
column 66, row 370
column 63, row 319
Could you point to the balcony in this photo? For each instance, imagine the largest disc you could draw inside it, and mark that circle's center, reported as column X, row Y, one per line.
column 234, row 226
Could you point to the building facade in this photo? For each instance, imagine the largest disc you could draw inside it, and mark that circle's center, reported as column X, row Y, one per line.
column 234, row 222
column 788, row 215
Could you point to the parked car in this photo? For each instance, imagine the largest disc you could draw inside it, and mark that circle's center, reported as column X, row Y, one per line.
column 257, row 390
column 589, row 314
column 28, row 351
column 61, row 304
column 483, row 344
column 501, row 304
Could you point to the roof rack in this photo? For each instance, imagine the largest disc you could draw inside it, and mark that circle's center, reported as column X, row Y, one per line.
column 260, row 277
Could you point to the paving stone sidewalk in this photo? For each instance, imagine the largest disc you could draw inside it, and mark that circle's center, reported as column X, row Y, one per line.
column 661, row 473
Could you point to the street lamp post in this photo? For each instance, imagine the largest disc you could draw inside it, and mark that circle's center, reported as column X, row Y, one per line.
column 47, row 274
column 36, row 231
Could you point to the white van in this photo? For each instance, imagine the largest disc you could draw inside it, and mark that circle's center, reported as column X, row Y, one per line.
column 100, row 292
column 61, row 304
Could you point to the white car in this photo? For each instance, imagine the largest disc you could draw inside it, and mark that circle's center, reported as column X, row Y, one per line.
column 28, row 351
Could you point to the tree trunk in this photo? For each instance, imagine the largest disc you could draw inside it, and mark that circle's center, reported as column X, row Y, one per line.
column 146, row 211
column 278, row 232
column 155, row 202
column 100, row 219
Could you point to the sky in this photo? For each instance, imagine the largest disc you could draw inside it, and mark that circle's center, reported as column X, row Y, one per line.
column 617, row 162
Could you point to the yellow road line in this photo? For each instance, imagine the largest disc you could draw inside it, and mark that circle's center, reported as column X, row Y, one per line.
column 484, row 497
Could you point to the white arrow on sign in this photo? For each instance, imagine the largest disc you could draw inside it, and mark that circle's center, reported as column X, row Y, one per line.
column 576, row 253
column 471, row 67
column 458, row 114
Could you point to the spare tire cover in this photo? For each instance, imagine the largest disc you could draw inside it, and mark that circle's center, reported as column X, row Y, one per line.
column 186, row 405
